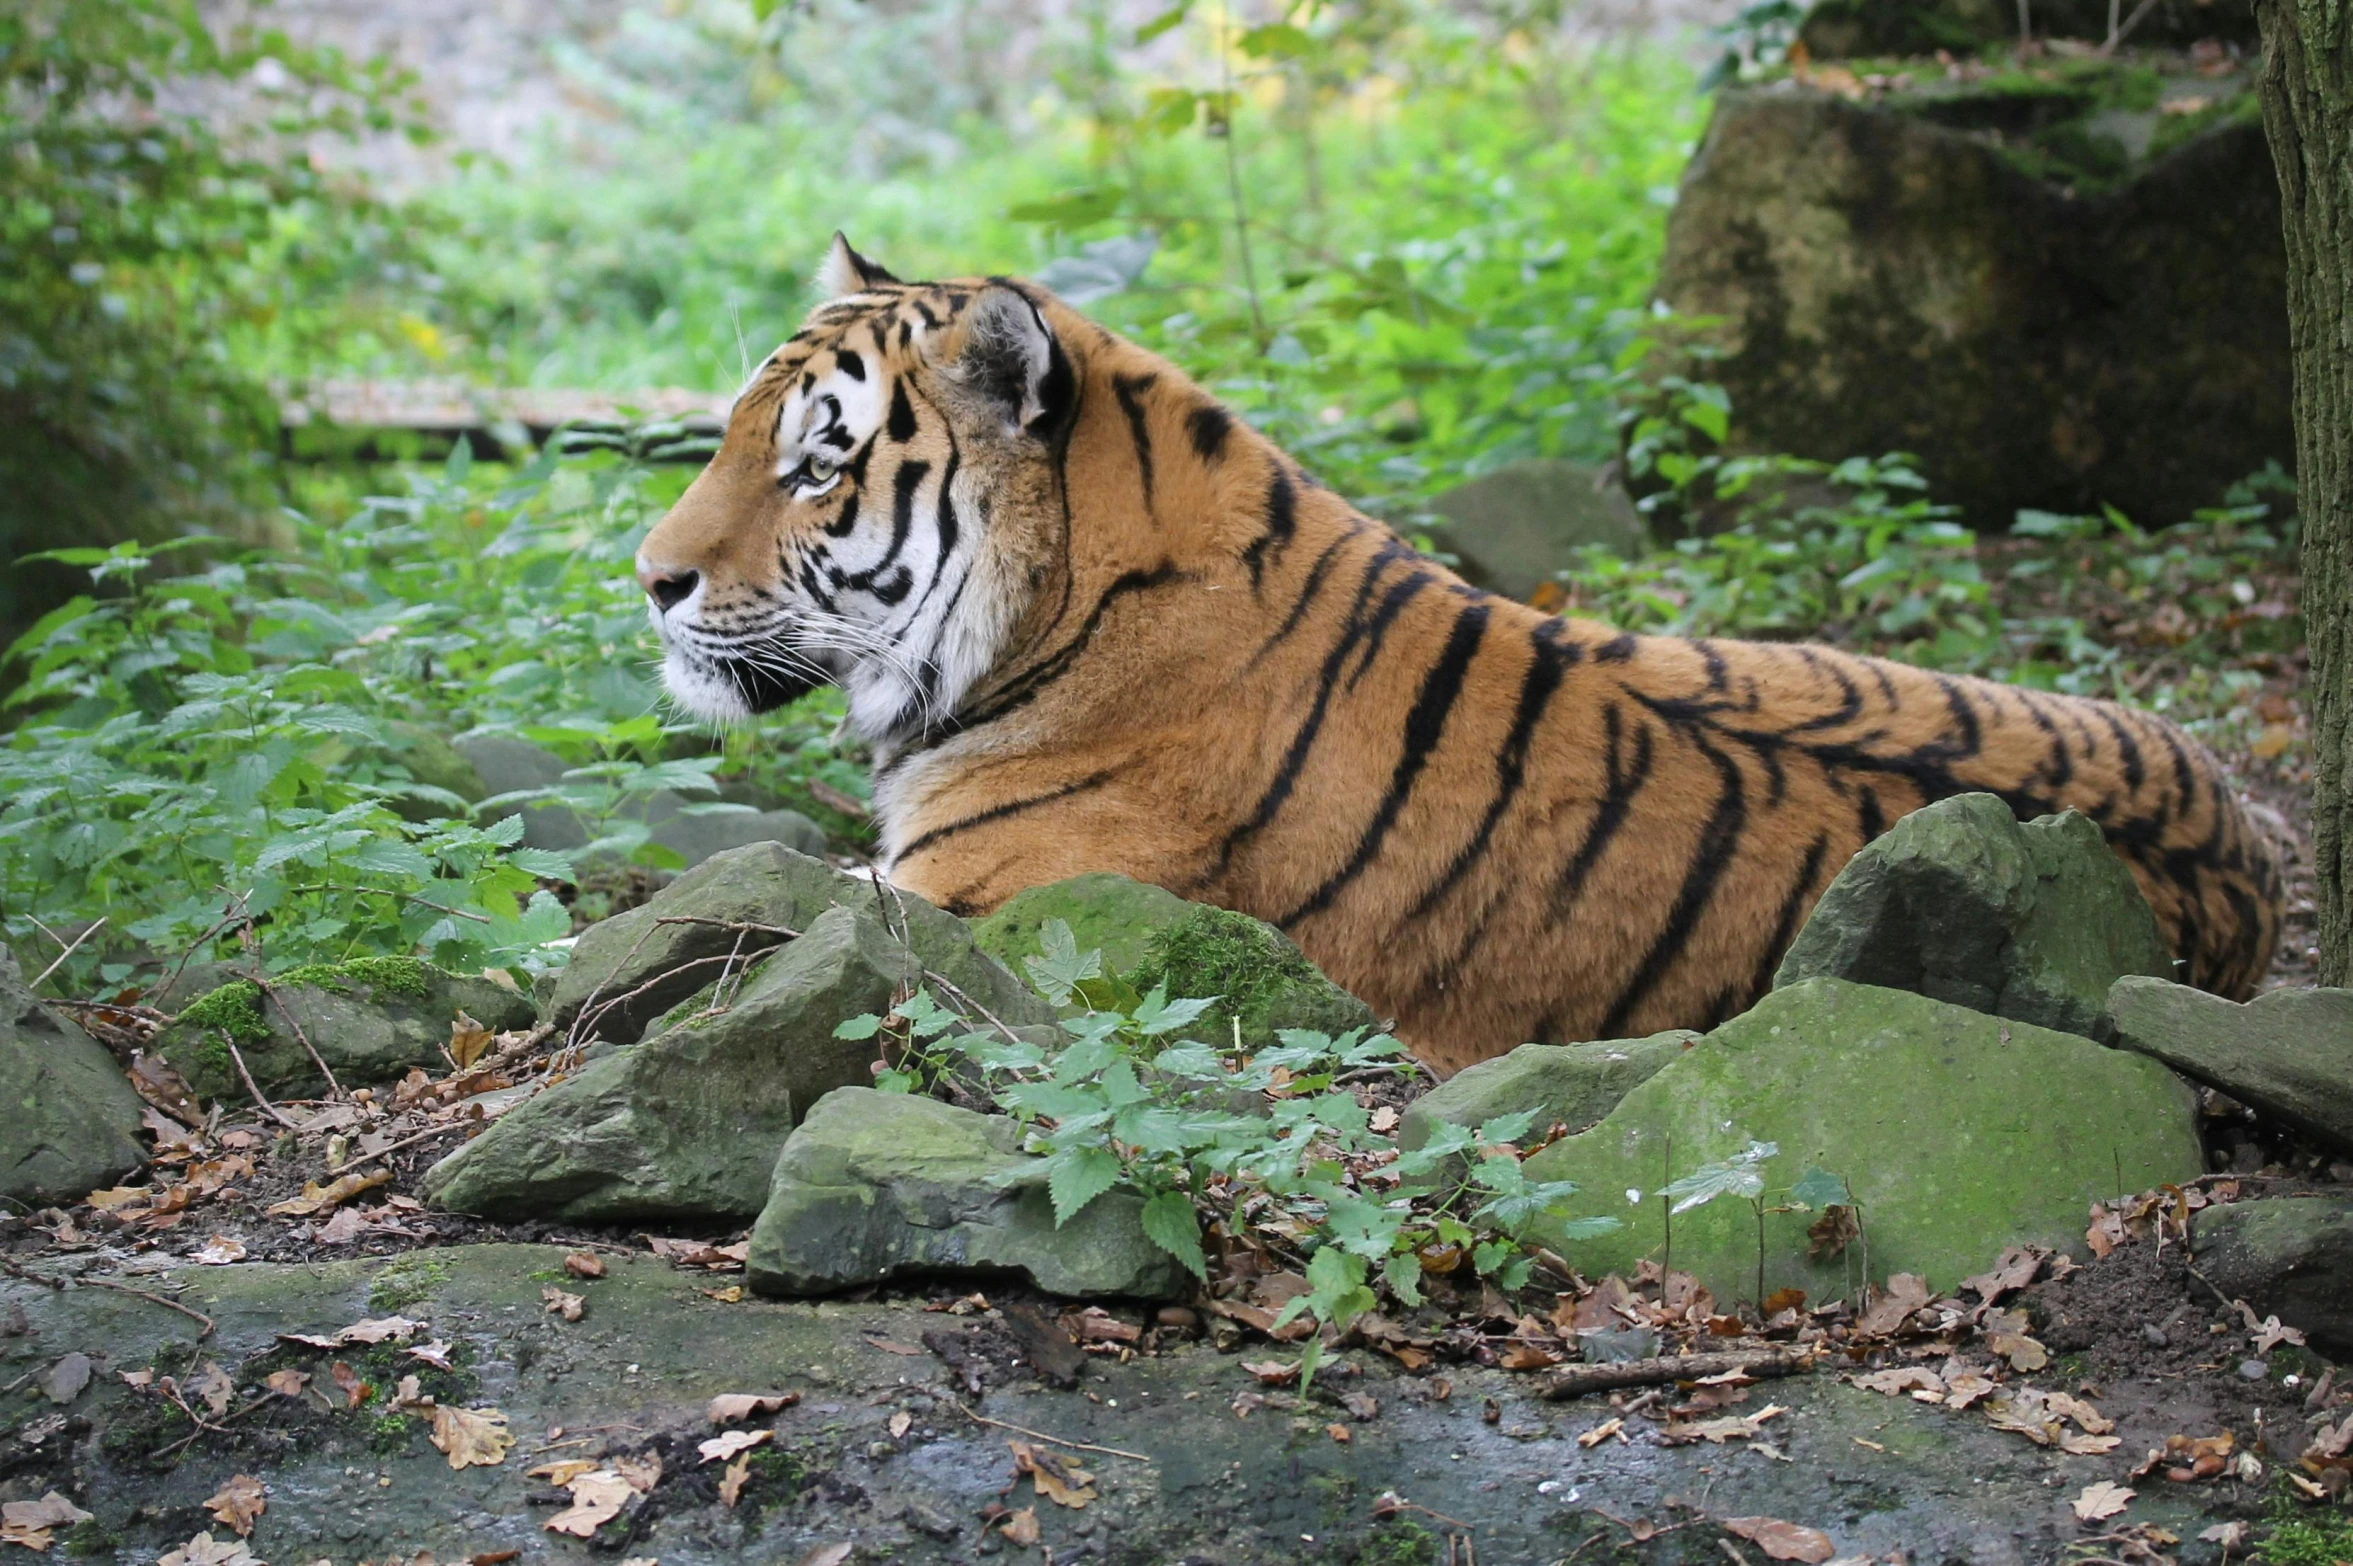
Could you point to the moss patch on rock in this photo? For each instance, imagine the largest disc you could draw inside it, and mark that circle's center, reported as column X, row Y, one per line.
column 403, row 976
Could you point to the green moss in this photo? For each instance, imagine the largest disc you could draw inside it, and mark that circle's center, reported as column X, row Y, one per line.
column 1214, row 951
column 2303, row 1536
column 232, row 1011
column 89, row 1538
column 389, row 1434
column 405, row 1281
column 1400, row 1541
column 402, row 976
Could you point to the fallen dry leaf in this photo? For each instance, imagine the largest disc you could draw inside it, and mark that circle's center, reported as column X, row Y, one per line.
column 728, row 1407
column 1892, row 1306
column 1058, row 1478
column 31, row 1523
column 203, row 1551
column 317, row 1198
column 1272, row 1372
column 568, row 1306
column 435, row 1354
column 1362, row 1405
column 893, row 1346
column 1603, row 1432
column 214, row 1386
column 597, row 1498
column 374, row 1330
column 731, row 1295
column 468, row 1040
column 238, row 1503
column 471, row 1437
column 287, row 1383
column 348, row 1382
column 219, row 1251
column 1338, row 1432
column 1902, row 1379
column 2102, row 1500
column 1718, row 1431
column 1021, row 1526
column 732, row 1443
column 585, row 1264
column 826, row 1555
column 1783, row 1541
column 561, row 1474
column 901, row 1423
column 733, row 1479
column 643, row 1472
column 2229, row 1535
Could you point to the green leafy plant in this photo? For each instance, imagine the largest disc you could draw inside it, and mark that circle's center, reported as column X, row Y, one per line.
column 1129, row 1101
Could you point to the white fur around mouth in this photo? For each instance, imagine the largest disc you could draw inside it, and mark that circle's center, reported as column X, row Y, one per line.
column 706, row 696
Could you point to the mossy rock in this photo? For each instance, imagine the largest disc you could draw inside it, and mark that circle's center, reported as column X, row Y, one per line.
column 370, row 1019
column 1933, row 272
column 1846, row 29
column 1151, row 937
column 69, row 1122
column 1957, row 1133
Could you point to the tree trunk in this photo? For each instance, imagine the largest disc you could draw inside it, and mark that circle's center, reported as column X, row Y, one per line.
column 2307, row 88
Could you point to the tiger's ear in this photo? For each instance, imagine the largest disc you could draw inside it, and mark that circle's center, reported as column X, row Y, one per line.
column 1011, row 357
column 844, row 271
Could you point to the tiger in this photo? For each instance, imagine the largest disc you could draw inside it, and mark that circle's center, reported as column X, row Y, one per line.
column 1087, row 619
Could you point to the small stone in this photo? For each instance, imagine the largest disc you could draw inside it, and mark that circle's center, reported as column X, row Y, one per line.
column 2154, row 1335
column 1962, row 902
column 69, row 1123
column 2288, row 1054
column 2253, row 1369
column 876, row 1186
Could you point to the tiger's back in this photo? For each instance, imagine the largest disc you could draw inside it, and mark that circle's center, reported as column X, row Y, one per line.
column 1210, row 673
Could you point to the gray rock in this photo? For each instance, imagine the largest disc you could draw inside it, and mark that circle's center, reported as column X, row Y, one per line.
column 2288, row 1054
column 693, row 828
column 646, row 967
column 1844, row 29
column 370, row 1019
column 2290, row 1256
column 1149, row 937
column 687, row 1124
column 1569, row 1084
column 875, row 1186
column 1515, row 527
column 69, row 1122
column 1962, row 902
column 1929, row 273
column 1957, row 1133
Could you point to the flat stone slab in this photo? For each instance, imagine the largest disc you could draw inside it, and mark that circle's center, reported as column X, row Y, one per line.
column 875, row 1186
column 653, row 1347
column 2288, row 1054
column 2286, row 1255
column 1956, row 1132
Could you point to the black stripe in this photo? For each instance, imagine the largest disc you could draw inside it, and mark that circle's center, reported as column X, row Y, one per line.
column 1401, row 592
column 1011, row 807
column 1314, row 585
column 2134, row 774
column 845, row 521
column 1280, row 520
column 1424, row 725
column 1209, row 424
column 1024, row 687
column 905, row 483
column 1617, row 649
column 1719, row 839
column 1549, row 661
column 1126, row 387
column 902, row 423
column 1785, row 924
column 1303, row 739
column 849, row 364
column 1624, row 778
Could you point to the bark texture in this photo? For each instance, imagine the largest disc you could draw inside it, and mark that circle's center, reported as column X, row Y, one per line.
column 2307, row 88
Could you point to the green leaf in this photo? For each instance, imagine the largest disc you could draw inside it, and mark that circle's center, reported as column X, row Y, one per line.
column 1818, row 1188
column 1073, row 209
column 859, row 1027
column 1170, row 1223
column 1164, row 22
column 1403, row 1274
column 1275, row 41
column 1076, row 1176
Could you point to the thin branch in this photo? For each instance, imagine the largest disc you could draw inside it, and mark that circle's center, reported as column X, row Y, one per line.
column 68, row 952
column 1576, row 1380
column 1040, row 1435
column 16, row 1270
column 237, row 1058
column 334, row 1088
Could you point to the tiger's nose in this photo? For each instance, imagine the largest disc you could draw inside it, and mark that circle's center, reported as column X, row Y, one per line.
column 667, row 588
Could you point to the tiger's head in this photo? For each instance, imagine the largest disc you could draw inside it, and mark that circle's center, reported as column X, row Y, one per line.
column 884, row 505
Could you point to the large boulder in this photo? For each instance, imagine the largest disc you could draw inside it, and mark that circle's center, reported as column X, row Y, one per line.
column 1957, row 1134
column 694, row 829
column 2288, row 1054
column 1151, row 937
column 875, row 1186
column 2290, row 1256
column 687, row 1124
column 1937, row 272
column 370, row 1020
column 1840, row 29
column 635, row 966
column 1963, row 902
column 1573, row 1085
column 1513, row 528
column 69, row 1122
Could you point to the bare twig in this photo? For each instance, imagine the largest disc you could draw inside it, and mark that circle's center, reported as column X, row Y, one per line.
column 237, row 1059
column 964, row 997
column 1040, row 1435
column 68, row 952
column 581, row 1017
column 739, row 925
column 424, row 1136
column 15, row 1270
column 588, row 1020
column 334, row 1088
column 2118, row 36
column 1576, row 1380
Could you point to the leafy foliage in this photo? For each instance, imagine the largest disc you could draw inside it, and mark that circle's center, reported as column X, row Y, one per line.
column 1130, row 1100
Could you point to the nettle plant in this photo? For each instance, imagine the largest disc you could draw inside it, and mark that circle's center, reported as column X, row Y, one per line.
column 1268, row 1135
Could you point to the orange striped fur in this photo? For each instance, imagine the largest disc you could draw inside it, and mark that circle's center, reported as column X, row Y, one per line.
column 1090, row 621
